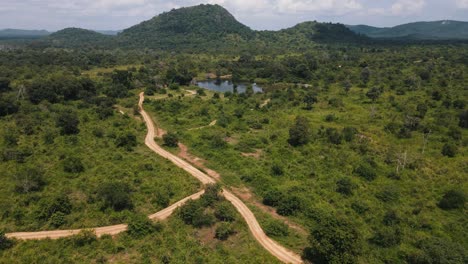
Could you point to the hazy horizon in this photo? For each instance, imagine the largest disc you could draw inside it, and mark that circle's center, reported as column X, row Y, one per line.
column 53, row 15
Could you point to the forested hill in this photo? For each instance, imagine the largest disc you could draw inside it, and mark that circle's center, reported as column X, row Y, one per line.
column 77, row 37
column 199, row 25
column 202, row 28
column 444, row 29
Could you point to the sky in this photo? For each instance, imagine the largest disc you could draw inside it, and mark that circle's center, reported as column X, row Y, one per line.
column 258, row 14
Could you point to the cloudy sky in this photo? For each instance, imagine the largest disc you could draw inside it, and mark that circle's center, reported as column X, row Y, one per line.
column 258, row 14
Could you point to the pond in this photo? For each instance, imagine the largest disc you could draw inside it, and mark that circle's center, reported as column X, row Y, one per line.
column 226, row 86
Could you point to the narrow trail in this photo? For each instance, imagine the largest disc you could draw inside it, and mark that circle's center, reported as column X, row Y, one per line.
column 270, row 245
column 209, row 125
column 100, row 231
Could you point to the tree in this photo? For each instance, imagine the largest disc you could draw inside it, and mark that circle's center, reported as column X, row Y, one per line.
column 225, row 212
column 345, row 186
column 115, row 195
column 122, row 77
column 374, row 93
column 334, row 240
column 73, row 165
column 289, row 205
column 29, row 179
column 449, row 150
column 140, row 226
column 5, row 242
column 453, row 199
column 223, row 231
column 170, row 139
column 68, row 122
column 365, row 75
column 310, row 99
column 463, row 119
column 4, row 85
column 366, row 171
column 8, row 105
column 126, row 140
column 300, row 132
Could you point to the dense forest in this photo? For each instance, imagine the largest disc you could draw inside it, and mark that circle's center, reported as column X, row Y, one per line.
column 354, row 151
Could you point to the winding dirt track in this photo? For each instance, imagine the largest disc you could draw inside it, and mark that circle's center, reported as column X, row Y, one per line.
column 106, row 230
column 271, row 246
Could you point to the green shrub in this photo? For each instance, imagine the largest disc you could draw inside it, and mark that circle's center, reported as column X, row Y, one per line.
column 276, row 228
column 5, row 243
column 29, row 179
column 73, row 165
column 289, row 205
column 115, row 195
column 57, row 219
column 126, row 140
column 85, row 237
column 334, row 240
column 387, row 237
column 272, row 197
column 449, row 150
column 171, row 139
column 366, row 171
column 345, row 186
column 223, row 231
column 300, row 133
column 225, row 212
column 388, row 194
column 453, row 199
column 140, row 226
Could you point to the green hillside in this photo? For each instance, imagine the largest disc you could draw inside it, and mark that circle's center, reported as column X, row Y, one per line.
column 196, row 26
column 444, row 29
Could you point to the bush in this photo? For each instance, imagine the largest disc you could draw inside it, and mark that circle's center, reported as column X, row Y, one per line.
column 5, row 243
column 68, row 123
column 277, row 170
column 225, row 212
column 53, row 205
column 193, row 213
column 334, row 241
column 171, row 139
column 449, row 150
column 276, row 228
column 211, row 194
column 73, row 165
column 366, row 171
column 126, row 140
column 300, row 132
column 388, row 194
column 334, row 136
column 85, row 237
column 140, row 226
column 201, row 92
column 289, row 205
column 272, row 197
column 349, row 133
column 438, row 250
column 223, row 231
column 29, row 179
column 345, row 186
column 387, row 237
column 115, row 195
column 453, row 199
column 57, row 219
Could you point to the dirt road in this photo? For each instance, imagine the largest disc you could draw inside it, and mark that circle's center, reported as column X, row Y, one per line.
column 100, row 231
column 271, row 246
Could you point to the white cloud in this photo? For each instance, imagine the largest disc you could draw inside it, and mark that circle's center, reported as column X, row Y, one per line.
column 301, row 6
column 462, row 3
column 407, row 7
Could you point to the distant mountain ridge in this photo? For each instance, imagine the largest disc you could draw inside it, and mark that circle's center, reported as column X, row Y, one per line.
column 443, row 29
column 22, row 33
